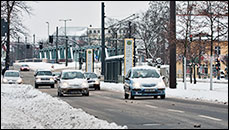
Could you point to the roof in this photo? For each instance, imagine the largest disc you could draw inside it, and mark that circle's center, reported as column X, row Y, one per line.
column 12, row 71
column 71, row 70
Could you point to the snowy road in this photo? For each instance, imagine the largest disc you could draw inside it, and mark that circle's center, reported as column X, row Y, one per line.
column 147, row 112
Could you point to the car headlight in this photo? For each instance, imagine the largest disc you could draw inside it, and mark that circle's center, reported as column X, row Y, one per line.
column 38, row 79
column 137, row 85
column 161, row 85
column 65, row 85
column 97, row 82
column 5, row 80
column 19, row 81
column 51, row 79
column 85, row 84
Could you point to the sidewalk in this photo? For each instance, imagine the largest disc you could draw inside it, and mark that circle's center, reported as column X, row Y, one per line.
column 222, row 80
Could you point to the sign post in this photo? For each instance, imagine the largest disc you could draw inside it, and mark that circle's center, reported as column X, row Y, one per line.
column 128, row 55
column 89, row 61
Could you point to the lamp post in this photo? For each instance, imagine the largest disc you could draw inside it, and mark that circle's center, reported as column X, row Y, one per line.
column 48, row 29
column 66, row 44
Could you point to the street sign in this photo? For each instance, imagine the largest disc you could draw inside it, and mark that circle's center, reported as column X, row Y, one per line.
column 128, row 55
column 89, row 61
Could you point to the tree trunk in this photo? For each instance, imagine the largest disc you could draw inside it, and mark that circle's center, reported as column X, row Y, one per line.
column 194, row 74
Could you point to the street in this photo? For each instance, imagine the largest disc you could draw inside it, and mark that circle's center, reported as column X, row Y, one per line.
column 144, row 112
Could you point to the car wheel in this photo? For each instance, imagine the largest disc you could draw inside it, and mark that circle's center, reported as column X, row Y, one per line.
column 52, row 86
column 98, row 87
column 36, row 86
column 59, row 94
column 126, row 96
column 131, row 96
column 163, row 97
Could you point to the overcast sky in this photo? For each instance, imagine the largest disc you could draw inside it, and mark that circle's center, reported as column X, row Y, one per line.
column 82, row 13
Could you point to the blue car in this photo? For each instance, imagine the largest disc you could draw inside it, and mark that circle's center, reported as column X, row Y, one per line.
column 144, row 81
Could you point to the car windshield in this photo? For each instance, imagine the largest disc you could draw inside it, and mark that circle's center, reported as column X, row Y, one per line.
column 25, row 66
column 90, row 75
column 11, row 74
column 72, row 75
column 145, row 73
column 49, row 73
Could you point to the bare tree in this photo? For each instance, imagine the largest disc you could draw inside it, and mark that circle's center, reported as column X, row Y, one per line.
column 152, row 28
column 12, row 12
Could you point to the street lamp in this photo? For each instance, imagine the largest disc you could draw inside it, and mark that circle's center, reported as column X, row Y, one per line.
column 66, row 44
column 48, row 29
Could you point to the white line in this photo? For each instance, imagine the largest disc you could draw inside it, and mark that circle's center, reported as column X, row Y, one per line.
column 151, row 106
column 208, row 117
column 172, row 110
column 150, row 124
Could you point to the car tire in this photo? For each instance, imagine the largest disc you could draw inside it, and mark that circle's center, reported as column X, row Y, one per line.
column 98, row 87
column 36, row 86
column 126, row 96
column 163, row 97
column 52, row 86
column 86, row 94
column 131, row 96
column 59, row 94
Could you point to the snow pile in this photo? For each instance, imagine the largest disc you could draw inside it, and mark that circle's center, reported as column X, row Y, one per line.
column 23, row 107
column 199, row 91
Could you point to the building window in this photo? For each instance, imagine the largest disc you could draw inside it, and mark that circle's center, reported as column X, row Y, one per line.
column 98, row 31
column 94, row 31
column 109, row 31
column 90, row 31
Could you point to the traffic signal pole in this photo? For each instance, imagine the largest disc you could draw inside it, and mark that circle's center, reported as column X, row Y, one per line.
column 172, row 46
column 103, row 41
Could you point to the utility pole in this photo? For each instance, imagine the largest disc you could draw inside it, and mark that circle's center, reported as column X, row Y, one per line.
column 103, row 41
column 56, row 44
column 172, row 67
column 66, row 43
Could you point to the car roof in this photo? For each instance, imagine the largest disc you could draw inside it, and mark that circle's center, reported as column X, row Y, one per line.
column 71, row 70
column 12, row 71
column 144, row 67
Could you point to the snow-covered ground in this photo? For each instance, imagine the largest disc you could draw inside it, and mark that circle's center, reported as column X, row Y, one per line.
column 23, row 107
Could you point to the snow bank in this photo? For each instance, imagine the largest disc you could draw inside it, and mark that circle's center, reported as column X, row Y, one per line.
column 199, row 91
column 23, row 107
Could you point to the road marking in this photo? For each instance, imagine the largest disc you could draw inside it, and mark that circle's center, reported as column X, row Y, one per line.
column 172, row 110
column 150, row 124
column 208, row 117
column 151, row 106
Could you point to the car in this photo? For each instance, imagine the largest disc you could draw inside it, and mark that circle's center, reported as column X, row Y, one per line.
column 24, row 67
column 56, row 76
column 72, row 82
column 12, row 77
column 44, row 78
column 143, row 81
column 93, row 80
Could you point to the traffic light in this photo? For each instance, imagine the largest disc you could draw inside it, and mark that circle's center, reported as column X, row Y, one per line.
column 190, row 37
column 50, row 39
column 217, row 64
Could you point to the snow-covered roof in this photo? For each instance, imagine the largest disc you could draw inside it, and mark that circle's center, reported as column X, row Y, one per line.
column 72, row 31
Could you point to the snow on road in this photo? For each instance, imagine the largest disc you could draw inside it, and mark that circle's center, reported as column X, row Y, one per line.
column 23, row 107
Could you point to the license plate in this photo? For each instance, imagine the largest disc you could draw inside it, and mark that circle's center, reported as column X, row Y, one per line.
column 150, row 90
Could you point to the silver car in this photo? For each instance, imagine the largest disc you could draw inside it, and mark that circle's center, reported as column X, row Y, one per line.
column 93, row 80
column 12, row 77
column 44, row 78
column 72, row 82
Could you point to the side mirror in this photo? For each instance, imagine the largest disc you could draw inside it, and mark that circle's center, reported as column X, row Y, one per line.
column 53, row 74
column 88, row 78
column 163, row 77
column 99, row 77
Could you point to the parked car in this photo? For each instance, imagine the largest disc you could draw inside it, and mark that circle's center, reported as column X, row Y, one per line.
column 12, row 77
column 56, row 76
column 24, row 68
column 144, row 81
column 44, row 78
column 72, row 82
column 93, row 80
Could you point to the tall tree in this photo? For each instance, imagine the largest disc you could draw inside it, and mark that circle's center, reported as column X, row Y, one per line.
column 12, row 12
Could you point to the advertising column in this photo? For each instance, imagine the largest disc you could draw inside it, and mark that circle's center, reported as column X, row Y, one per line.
column 89, row 61
column 128, row 55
